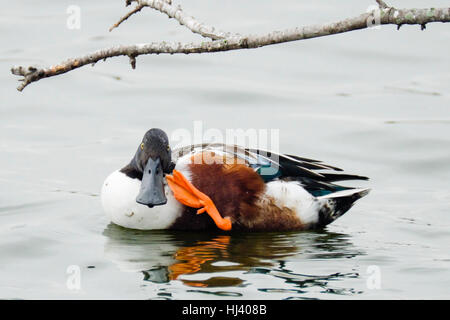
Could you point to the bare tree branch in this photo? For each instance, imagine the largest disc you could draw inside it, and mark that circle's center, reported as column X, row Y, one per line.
column 388, row 15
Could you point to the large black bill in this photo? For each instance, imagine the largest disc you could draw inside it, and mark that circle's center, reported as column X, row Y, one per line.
column 152, row 185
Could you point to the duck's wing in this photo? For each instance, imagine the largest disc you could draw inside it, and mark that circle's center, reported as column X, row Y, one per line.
column 315, row 176
column 310, row 173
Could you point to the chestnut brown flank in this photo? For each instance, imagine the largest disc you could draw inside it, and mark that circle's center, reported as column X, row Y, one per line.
column 237, row 191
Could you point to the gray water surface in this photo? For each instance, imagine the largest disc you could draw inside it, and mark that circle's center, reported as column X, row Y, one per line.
column 374, row 102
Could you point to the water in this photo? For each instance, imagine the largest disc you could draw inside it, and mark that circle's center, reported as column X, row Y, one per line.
column 375, row 102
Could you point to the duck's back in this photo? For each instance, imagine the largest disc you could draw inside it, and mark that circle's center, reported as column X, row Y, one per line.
column 291, row 197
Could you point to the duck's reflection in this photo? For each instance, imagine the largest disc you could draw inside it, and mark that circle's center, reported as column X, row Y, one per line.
column 163, row 256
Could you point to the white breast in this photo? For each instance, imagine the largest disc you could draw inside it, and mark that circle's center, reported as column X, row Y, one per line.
column 118, row 197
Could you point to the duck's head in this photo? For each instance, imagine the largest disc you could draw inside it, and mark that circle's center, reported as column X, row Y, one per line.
column 153, row 161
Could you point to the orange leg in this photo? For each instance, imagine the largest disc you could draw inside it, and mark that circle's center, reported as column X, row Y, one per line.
column 185, row 192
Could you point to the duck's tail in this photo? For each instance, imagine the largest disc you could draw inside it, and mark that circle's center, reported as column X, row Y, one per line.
column 335, row 204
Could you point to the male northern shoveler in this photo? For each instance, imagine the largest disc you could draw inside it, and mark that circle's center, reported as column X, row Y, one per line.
column 239, row 188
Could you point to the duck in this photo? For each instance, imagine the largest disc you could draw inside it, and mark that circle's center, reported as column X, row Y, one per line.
column 215, row 186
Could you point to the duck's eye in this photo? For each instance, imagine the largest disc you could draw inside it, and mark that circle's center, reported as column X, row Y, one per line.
column 142, row 146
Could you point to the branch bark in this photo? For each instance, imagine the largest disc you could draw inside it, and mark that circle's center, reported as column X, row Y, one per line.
column 177, row 13
column 222, row 41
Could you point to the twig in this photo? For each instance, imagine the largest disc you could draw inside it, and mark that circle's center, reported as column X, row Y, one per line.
column 393, row 16
column 125, row 17
column 178, row 14
column 382, row 4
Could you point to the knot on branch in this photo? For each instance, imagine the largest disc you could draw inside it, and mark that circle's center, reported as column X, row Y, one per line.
column 243, row 42
column 29, row 75
column 132, row 61
column 21, row 71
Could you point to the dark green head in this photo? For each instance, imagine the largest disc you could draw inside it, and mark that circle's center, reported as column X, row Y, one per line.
column 150, row 163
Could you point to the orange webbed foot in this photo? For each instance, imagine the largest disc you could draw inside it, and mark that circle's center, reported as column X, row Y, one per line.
column 186, row 193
